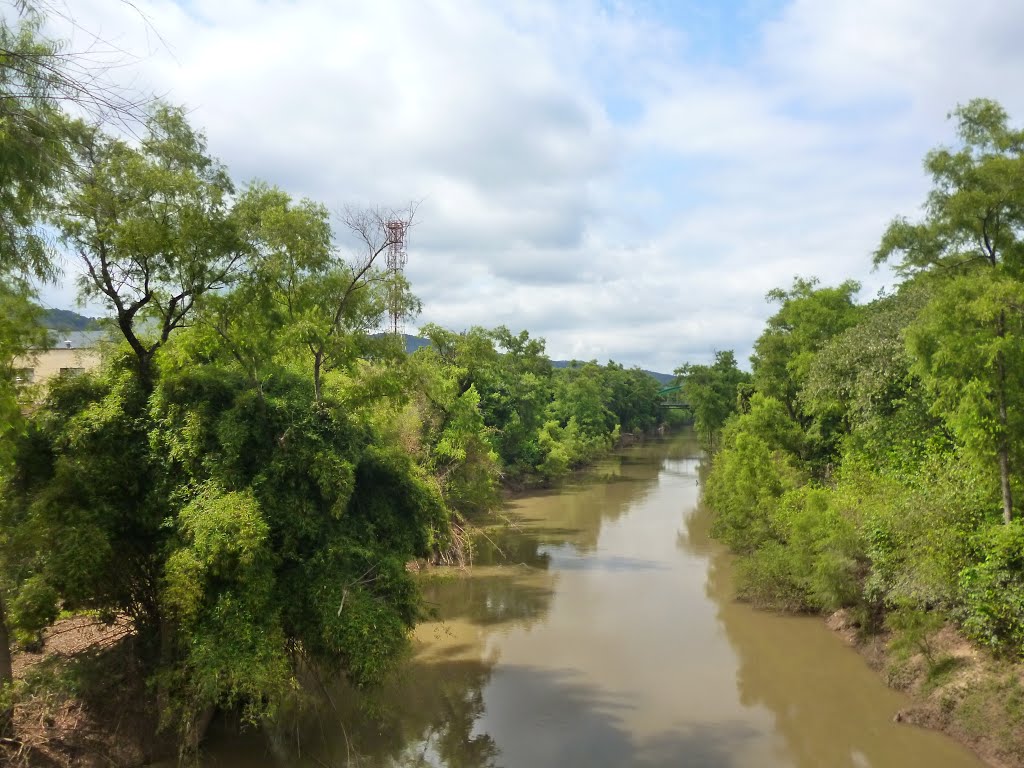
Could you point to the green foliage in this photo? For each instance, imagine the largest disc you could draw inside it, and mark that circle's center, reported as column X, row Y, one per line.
column 993, row 590
column 867, row 465
column 751, row 472
column 35, row 143
column 974, row 372
column 33, row 609
column 826, row 543
column 920, row 526
column 914, row 631
column 35, row 149
column 541, row 422
column 970, row 245
column 309, row 303
column 860, row 388
column 463, row 457
column 632, row 397
column 807, row 318
column 150, row 227
column 712, row 393
column 512, row 378
column 813, row 558
column 557, row 446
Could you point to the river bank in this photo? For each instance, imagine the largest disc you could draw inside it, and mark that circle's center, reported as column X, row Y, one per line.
column 955, row 687
column 598, row 626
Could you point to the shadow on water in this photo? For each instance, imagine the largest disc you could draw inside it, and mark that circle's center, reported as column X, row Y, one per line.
column 516, row 564
column 575, row 512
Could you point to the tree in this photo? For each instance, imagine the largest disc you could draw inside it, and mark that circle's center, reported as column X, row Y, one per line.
column 245, row 531
column 712, row 392
column 34, row 152
column 208, row 483
column 452, row 438
column 807, row 318
column 861, row 389
column 969, row 243
column 512, row 376
column 633, row 397
column 355, row 295
column 151, row 228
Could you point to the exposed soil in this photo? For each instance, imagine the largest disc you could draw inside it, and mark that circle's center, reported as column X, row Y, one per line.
column 961, row 690
column 83, row 701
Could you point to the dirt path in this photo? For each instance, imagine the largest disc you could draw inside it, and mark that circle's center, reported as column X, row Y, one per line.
column 83, row 701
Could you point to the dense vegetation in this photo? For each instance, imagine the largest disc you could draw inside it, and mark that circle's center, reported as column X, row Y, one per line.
column 249, row 473
column 874, row 460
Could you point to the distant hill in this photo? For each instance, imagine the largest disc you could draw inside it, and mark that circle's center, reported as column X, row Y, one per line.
column 412, row 343
column 662, row 378
column 66, row 320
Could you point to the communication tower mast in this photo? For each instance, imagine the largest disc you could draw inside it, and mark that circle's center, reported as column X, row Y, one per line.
column 397, row 257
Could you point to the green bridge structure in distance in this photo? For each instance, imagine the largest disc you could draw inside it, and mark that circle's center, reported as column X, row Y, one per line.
column 675, row 388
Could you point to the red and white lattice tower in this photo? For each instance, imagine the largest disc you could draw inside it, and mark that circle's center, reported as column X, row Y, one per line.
column 397, row 257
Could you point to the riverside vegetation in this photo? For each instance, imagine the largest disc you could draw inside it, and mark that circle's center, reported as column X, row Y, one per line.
column 240, row 488
column 242, row 485
column 871, row 463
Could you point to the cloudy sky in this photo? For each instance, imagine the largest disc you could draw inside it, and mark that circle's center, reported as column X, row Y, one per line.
column 625, row 179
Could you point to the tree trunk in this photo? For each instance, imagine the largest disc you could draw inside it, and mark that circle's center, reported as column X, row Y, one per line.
column 166, row 662
column 1004, row 479
column 317, row 363
column 1004, row 440
column 196, row 731
column 6, row 672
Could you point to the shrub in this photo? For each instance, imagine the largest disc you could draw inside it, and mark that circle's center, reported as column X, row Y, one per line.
column 993, row 590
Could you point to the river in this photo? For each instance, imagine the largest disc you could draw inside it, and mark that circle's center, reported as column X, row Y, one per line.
column 597, row 628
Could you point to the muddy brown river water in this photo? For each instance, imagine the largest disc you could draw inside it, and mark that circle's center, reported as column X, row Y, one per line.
column 597, row 628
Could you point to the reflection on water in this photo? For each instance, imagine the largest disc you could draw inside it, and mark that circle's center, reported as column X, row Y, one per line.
column 597, row 628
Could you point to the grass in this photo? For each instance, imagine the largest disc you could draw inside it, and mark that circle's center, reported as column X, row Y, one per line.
column 939, row 672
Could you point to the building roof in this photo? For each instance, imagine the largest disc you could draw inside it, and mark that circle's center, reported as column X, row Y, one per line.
column 76, row 339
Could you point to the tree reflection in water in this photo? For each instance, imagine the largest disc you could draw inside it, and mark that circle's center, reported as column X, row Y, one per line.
column 828, row 707
column 430, row 713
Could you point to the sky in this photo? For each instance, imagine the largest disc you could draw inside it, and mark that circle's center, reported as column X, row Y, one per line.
column 625, row 179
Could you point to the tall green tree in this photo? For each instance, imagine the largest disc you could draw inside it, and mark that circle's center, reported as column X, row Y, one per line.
column 969, row 341
column 35, row 146
column 212, row 482
column 807, row 318
column 299, row 291
column 861, row 389
column 150, row 227
column 512, row 376
column 633, row 397
column 712, row 392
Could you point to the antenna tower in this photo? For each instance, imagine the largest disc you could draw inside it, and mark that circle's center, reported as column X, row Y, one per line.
column 397, row 257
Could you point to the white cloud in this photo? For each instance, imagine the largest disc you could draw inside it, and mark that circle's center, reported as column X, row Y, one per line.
column 585, row 171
